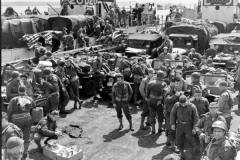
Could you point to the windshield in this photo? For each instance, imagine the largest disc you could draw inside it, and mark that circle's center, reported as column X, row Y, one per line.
column 139, row 44
column 180, row 42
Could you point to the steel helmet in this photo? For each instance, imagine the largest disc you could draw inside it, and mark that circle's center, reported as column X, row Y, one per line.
column 220, row 124
column 196, row 75
column 160, row 74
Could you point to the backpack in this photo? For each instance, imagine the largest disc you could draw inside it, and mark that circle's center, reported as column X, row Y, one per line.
column 17, row 132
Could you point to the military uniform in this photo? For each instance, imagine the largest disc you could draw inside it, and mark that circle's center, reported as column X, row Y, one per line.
column 155, row 93
column 68, row 42
column 12, row 88
column 201, row 105
column 221, row 150
column 121, row 95
column 164, row 56
column 185, row 118
column 51, row 88
column 19, row 109
column 204, row 125
column 45, row 128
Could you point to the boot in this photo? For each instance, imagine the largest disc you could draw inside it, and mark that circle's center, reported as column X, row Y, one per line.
column 75, row 104
column 130, row 125
column 142, row 127
column 160, row 128
column 80, row 103
column 120, row 124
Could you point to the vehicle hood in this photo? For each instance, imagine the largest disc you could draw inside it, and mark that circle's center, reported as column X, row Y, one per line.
column 135, row 50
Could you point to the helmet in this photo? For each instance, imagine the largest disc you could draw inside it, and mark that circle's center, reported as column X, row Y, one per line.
column 118, row 75
column 47, row 71
column 220, row 124
column 160, row 74
column 61, row 62
column 13, row 142
column 165, row 47
column 196, row 75
column 150, row 70
column 15, row 74
column 182, row 99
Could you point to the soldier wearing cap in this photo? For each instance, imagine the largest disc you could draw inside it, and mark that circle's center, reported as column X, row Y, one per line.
column 223, row 102
column 183, row 118
column 12, row 85
column 143, row 92
column 19, row 113
column 220, row 146
column 200, row 102
column 203, row 127
column 121, row 95
column 51, row 88
column 46, row 128
column 165, row 55
column 14, row 149
column 155, row 94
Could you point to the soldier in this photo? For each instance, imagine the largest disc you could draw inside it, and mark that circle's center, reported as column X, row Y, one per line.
column 8, row 130
column 12, row 85
column 68, row 42
column 72, row 71
column 64, row 4
column 224, row 102
column 183, row 118
column 200, row 102
column 19, row 109
column 220, row 146
column 108, row 29
column 165, row 55
column 171, row 97
column 46, row 128
column 28, row 84
column 143, row 92
column 121, row 95
column 51, row 88
column 14, row 149
column 55, row 42
column 138, row 74
column 195, row 82
column 35, row 11
column 204, row 125
column 97, row 29
column 80, row 41
column 124, row 16
column 155, row 93
column 28, row 11
column 194, row 55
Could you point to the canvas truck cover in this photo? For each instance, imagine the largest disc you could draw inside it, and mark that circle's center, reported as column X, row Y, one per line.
column 72, row 22
column 221, row 26
column 14, row 29
column 203, row 34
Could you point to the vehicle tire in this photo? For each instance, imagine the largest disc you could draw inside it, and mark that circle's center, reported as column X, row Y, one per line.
column 90, row 88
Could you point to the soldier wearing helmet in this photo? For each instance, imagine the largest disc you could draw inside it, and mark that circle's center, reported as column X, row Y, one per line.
column 195, row 82
column 155, row 92
column 121, row 95
column 182, row 119
column 143, row 92
column 204, row 125
column 220, row 147
column 194, row 56
column 165, row 55
column 51, row 88
column 12, row 85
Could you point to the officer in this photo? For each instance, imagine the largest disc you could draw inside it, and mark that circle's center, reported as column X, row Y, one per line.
column 138, row 74
column 155, row 93
column 220, row 146
column 200, row 102
column 204, row 125
column 223, row 102
column 143, row 92
column 165, row 55
column 51, row 88
column 194, row 55
column 12, row 85
column 71, row 71
column 121, row 95
column 183, row 118
column 14, row 149
column 46, row 128
column 8, row 130
column 19, row 109
column 171, row 97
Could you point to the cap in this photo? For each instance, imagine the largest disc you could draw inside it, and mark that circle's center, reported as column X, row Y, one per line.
column 182, row 99
column 47, row 71
column 21, row 89
column 196, row 75
column 15, row 74
column 13, row 142
column 220, row 124
column 213, row 105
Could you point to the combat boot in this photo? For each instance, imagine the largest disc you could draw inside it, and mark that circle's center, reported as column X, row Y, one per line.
column 130, row 125
column 120, row 124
